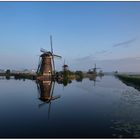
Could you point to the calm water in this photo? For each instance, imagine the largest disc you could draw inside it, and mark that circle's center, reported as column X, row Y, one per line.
column 102, row 109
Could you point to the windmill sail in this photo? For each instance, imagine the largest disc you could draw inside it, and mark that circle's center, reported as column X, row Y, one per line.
column 39, row 64
column 57, row 56
column 52, row 55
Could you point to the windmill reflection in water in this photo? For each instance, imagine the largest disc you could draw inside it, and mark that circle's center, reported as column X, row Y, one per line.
column 45, row 89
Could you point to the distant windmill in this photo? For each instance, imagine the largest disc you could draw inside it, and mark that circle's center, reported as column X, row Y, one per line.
column 65, row 67
column 46, row 66
column 95, row 69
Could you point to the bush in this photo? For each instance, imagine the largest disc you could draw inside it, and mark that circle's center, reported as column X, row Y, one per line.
column 79, row 73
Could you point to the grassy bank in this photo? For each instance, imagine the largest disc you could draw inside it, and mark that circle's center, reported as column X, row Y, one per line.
column 130, row 80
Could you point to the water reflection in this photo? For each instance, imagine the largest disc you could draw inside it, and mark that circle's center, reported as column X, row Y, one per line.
column 130, row 83
column 111, row 109
column 46, row 89
column 64, row 81
column 7, row 77
column 126, row 122
column 94, row 79
column 79, row 79
column 136, row 86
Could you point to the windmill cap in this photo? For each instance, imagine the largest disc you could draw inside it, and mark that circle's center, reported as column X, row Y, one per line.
column 46, row 54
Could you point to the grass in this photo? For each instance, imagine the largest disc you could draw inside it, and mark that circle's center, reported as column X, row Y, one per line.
column 130, row 80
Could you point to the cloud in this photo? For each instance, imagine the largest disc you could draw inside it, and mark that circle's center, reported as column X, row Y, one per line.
column 85, row 58
column 101, row 52
column 125, row 42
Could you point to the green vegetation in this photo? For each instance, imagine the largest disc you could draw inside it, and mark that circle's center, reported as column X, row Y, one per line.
column 79, row 75
column 25, row 76
column 133, row 79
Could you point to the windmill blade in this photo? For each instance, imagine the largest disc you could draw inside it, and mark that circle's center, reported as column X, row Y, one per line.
column 42, row 104
column 39, row 64
column 56, row 97
column 53, row 64
column 43, row 50
column 38, row 89
column 51, row 44
column 52, row 55
column 49, row 110
column 57, row 55
column 49, row 100
column 52, row 90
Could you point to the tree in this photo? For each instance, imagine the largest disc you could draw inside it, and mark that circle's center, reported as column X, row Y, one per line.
column 79, row 74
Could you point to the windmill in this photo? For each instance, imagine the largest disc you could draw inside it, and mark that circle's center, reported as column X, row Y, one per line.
column 65, row 67
column 46, row 66
column 95, row 69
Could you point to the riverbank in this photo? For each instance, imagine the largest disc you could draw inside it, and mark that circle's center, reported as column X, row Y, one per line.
column 33, row 76
column 130, row 80
column 20, row 76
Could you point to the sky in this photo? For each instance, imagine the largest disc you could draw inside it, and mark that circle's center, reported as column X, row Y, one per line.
column 84, row 33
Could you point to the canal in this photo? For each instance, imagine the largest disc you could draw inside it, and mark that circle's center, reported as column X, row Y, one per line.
column 101, row 108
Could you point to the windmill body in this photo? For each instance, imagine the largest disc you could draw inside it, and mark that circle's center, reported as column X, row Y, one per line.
column 95, row 69
column 46, row 67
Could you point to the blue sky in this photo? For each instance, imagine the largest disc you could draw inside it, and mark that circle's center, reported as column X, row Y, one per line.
column 84, row 33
